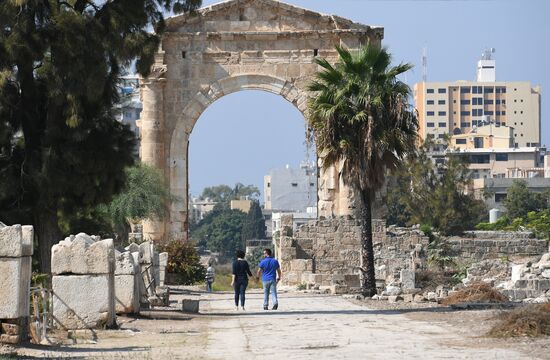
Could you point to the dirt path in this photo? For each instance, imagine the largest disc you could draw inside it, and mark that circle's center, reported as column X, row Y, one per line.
column 305, row 326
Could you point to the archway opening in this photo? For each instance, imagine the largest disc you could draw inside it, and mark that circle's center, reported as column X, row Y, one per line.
column 258, row 139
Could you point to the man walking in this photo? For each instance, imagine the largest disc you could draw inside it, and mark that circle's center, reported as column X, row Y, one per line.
column 210, row 274
column 270, row 271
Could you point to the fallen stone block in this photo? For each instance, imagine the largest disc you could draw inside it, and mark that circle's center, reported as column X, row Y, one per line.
column 16, row 276
column 82, row 301
column 11, row 329
column 10, row 339
column 338, row 289
column 419, row 298
column 190, row 306
column 126, row 294
column 16, row 241
column 394, row 299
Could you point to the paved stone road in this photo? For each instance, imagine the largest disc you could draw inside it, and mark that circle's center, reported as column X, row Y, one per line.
column 327, row 327
column 304, row 327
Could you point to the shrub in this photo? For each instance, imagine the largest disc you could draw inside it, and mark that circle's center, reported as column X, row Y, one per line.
column 478, row 292
column 255, row 256
column 183, row 261
column 532, row 320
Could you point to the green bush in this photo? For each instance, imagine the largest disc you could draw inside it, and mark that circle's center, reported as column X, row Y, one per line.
column 184, row 262
column 255, row 256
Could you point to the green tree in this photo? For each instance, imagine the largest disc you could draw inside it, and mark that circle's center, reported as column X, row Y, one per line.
column 254, row 225
column 361, row 117
column 425, row 193
column 520, row 200
column 61, row 148
column 225, row 193
column 144, row 196
column 220, row 230
column 184, row 262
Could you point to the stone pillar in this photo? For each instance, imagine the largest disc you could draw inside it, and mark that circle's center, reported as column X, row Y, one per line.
column 152, row 152
column 15, row 280
column 127, row 276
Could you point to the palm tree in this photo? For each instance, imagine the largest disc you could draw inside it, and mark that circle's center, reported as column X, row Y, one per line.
column 361, row 118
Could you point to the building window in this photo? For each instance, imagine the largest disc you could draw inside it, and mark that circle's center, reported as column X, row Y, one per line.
column 503, row 102
column 430, row 124
column 430, row 91
column 498, row 102
column 476, row 89
column 498, row 113
column 465, row 102
column 489, row 102
column 430, row 102
column 501, row 157
column 441, row 102
column 442, row 91
column 431, row 113
column 464, row 124
column 478, row 142
column 442, row 124
column 465, row 90
column 465, row 113
column 480, row 159
column 501, row 90
column 477, row 101
column 312, row 184
column 294, row 184
column 477, row 112
column 442, row 113
column 489, row 112
column 268, row 184
column 488, row 90
column 500, row 198
column 461, row 141
column 441, row 136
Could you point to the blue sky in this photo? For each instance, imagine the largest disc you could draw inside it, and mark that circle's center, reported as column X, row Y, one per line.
column 244, row 135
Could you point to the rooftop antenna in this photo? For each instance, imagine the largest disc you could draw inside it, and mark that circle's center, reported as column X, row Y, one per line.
column 425, row 64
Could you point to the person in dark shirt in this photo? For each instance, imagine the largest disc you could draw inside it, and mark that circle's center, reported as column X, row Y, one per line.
column 239, row 279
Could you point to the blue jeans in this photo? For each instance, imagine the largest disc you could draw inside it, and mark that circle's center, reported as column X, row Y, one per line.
column 240, row 290
column 209, row 286
column 270, row 285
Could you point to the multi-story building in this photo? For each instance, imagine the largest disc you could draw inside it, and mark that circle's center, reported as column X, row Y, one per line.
column 198, row 208
column 458, row 107
column 130, row 106
column 292, row 190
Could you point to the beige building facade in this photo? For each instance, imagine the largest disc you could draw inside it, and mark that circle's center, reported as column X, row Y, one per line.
column 228, row 47
column 458, row 107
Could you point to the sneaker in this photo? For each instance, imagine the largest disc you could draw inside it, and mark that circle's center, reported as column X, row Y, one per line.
column 242, row 308
column 265, row 307
column 275, row 307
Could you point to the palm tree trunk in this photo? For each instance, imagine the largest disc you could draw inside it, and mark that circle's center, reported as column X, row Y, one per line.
column 369, row 281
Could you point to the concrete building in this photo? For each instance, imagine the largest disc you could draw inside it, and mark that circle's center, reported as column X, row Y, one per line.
column 299, row 218
column 198, row 208
column 458, row 107
column 291, row 190
column 494, row 191
column 485, row 137
column 513, row 163
column 130, row 106
column 242, row 205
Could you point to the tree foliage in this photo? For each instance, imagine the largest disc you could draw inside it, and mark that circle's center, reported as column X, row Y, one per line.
column 61, row 148
column 424, row 193
column 225, row 193
column 361, row 118
column 220, row 230
column 183, row 261
column 254, row 225
column 520, row 200
column 144, row 196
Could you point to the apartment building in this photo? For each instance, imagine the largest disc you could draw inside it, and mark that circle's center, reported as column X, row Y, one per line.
column 291, row 189
column 458, row 107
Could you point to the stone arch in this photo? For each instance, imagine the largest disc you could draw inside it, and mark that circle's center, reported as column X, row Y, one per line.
column 179, row 140
column 228, row 47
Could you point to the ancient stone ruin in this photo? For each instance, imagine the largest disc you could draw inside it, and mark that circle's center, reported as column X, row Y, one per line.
column 83, row 282
column 16, row 248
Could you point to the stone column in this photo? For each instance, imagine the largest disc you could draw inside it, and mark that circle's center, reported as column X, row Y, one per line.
column 152, row 152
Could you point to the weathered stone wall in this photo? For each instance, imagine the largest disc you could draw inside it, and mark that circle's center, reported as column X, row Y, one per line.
column 15, row 278
column 476, row 246
column 328, row 252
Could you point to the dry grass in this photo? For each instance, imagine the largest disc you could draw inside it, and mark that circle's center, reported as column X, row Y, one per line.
column 531, row 321
column 222, row 281
column 478, row 292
